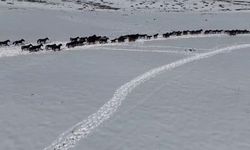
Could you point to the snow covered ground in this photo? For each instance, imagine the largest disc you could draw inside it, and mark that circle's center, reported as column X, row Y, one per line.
column 134, row 5
column 60, row 25
column 171, row 98
column 43, row 95
column 202, row 105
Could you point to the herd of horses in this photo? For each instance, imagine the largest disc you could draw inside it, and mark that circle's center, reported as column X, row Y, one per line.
column 94, row 39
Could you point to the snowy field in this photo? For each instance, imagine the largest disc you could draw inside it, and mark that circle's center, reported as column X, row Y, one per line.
column 133, row 5
column 150, row 94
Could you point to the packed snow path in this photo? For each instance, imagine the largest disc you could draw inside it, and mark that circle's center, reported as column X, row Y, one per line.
column 70, row 138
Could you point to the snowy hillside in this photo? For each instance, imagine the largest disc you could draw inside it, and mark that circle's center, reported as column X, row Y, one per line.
column 135, row 5
column 188, row 92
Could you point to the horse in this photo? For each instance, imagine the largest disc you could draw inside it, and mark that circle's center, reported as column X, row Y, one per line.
column 35, row 48
column 149, row 37
column 185, row 32
column 74, row 39
column 177, row 33
column 166, row 35
column 132, row 38
column 4, row 43
column 72, row 44
column 196, row 32
column 155, row 36
column 57, row 47
column 103, row 40
column 121, row 39
column 50, row 47
column 82, row 39
column 42, row 41
column 19, row 42
column 93, row 39
column 231, row 32
column 113, row 41
column 208, row 32
column 26, row 47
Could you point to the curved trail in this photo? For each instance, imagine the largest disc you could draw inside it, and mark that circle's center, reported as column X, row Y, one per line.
column 70, row 138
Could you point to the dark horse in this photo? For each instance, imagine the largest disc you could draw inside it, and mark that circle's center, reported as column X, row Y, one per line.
column 103, row 40
column 50, row 47
column 57, row 47
column 156, row 35
column 26, row 47
column 36, row 48
column 42, row 41
column 19, row 42
column 121, row 39
column 72, row 44
column 93, row 39
column 113, row 41
column 4, row 43
column 74, row 39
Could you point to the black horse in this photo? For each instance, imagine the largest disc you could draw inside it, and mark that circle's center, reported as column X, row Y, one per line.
column 72, row 44
column 4, row 43
column 156, row 36
column 103, row 40
column 35, row 48
column 149, row 37
column 19, row 42
column 74, row 39
column 82, row 39
column 42, row 41
column 166, row 35
column 57, row 47
column 26, row 47
column 132, row 38
column 93, row 39
column 185, row 32
column 121, row 39
column 50, row 47
column 113, row 41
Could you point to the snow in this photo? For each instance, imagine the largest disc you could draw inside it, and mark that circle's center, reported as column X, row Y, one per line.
column 134, row 5
column 61, row 91
column 163, row 96
column 202, row 105
column 70, row 138
column 32, row 24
